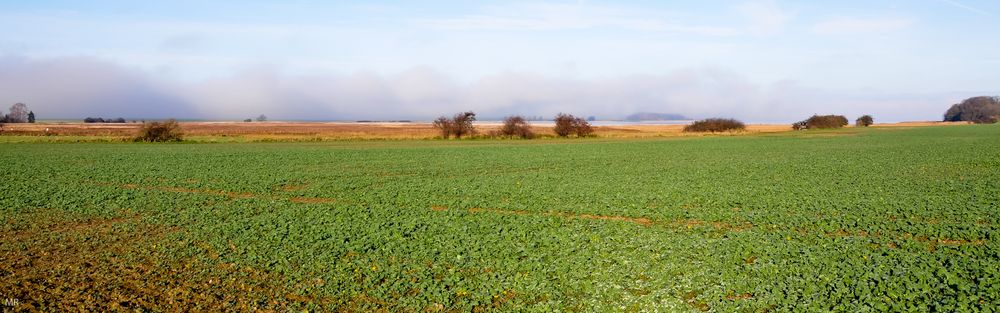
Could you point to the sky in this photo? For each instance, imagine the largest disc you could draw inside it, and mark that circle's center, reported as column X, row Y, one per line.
column 756, row 60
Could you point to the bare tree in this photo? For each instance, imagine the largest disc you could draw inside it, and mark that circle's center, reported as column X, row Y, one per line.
column 18, row 113
column 443, row 124
column 459, row 125
column 462, row 124
column 262, row 118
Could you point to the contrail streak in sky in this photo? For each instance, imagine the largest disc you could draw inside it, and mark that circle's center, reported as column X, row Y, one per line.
column 966, row 7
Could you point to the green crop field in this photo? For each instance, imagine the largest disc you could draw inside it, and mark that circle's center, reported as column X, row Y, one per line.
column 849, row 220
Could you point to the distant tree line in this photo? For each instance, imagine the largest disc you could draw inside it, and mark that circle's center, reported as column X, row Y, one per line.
column 103, row 120
column 979, row 110
column 260, row 118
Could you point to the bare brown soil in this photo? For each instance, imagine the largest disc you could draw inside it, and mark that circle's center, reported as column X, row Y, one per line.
column 310, row 200
column 52, row 262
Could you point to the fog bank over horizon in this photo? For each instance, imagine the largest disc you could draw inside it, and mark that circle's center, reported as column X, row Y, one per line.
column 77, row 87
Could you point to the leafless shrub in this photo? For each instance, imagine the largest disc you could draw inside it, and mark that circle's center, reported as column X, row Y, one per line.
column 567, row 124
column 564, row 124
column 443, row 124
column 462, row 124
column 582, row 127
column 164, row 131
column 516, row 126
column 459, row 125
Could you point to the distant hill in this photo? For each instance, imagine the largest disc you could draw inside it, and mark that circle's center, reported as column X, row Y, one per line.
column 647, row 116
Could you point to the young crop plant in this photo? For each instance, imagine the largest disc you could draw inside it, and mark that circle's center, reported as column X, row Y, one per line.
column 795, row 223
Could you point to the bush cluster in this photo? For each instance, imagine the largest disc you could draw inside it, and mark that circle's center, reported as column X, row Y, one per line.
column 864, row 121
column 821, row 121
column 458, row 126
column 567, row 124
column 715, row 125
column 515, row 126
column 168, row 130
column 979, row 110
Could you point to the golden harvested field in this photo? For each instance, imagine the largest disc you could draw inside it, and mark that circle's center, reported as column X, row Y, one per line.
column 920, row 124
column 268, row 131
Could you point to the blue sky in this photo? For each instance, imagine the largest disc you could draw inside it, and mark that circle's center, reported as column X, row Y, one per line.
column 760, row 60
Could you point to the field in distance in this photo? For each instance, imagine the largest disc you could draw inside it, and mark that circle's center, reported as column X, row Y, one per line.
column 876, row 219
column 319, row 131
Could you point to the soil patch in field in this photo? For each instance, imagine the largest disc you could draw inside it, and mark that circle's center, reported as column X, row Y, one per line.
column 638, row 220
column 53, row 262
column 310, row 200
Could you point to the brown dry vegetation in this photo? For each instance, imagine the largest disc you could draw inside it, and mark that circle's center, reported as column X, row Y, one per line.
column 299, row 131
column 920, row 124
column 321, row 130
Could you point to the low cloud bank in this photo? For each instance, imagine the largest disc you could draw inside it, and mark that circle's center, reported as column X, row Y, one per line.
column 83, row 86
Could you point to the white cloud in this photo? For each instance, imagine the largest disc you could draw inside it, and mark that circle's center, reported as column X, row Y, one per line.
column 764, row 17
column 852, row 25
